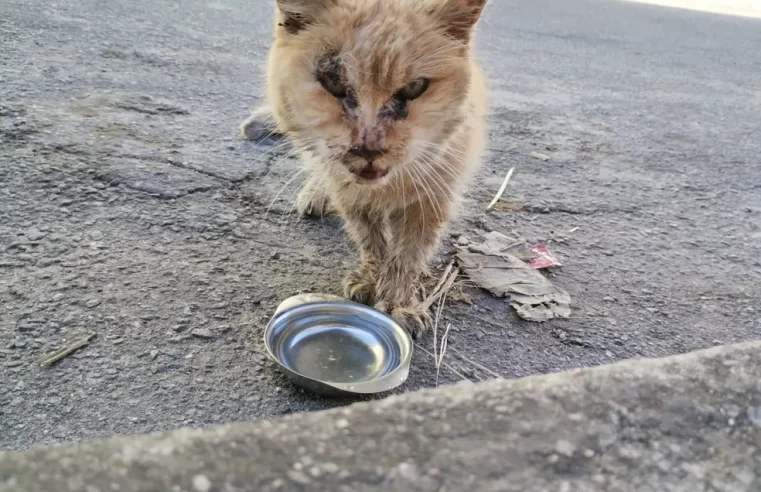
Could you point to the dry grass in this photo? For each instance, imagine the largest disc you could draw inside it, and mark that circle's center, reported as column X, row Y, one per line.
column 476, row 364
column 448, row 287
column 444, row 285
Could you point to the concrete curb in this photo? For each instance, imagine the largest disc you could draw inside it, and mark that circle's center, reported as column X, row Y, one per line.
column 686, row 423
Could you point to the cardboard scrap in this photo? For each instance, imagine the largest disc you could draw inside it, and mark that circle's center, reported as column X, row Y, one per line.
column 498, row 266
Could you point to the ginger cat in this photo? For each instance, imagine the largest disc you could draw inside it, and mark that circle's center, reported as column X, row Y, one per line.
column 387, row 107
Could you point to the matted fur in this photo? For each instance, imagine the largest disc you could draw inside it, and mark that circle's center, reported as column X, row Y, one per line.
column 428, row 151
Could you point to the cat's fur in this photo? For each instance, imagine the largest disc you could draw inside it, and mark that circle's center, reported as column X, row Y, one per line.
column 369, row 50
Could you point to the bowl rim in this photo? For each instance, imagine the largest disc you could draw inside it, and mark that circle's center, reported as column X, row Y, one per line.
column 387, row 382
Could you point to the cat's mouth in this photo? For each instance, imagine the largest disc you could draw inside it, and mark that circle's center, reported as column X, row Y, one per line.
column 370, row 172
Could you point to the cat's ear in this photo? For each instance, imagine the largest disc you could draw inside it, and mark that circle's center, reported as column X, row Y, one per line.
column 461, row 16
column 298, row 14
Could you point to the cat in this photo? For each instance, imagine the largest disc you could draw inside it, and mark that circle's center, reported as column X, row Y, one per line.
column 387, row 106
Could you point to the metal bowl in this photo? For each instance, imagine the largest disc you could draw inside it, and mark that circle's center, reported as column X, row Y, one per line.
column 332, row 346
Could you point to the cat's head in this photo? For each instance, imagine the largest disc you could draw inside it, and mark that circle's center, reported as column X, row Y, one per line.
column 370, row 85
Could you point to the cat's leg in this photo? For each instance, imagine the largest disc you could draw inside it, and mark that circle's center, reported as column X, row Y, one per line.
column 415, row 234
column 313, row 200
column 260, row 125
column 369, row 230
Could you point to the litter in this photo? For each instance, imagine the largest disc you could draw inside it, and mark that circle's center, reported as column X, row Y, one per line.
column 544, row 258
column 499, row 265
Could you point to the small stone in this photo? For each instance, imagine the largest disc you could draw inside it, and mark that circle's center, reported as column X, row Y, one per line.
column 463, row 240
column 26, row 328
column 754, row 415
column 34, row 234
column 565, row 448
column 298, row 477
column 609, row 299
column 154, row 354
column 342, row 423
column 117, row 341
column 91, row 303
column 201, row 483
column 588, row 453
column 204, row 333
column 275, row 255
column 96, row 235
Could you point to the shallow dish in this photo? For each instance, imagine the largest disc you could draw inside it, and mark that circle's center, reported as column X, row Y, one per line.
column 335, row 347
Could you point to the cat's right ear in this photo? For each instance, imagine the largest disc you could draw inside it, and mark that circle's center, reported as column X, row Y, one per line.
column 460, row 16
column 298, row 14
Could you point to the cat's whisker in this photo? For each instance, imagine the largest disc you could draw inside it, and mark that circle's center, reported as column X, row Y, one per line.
column 437, row 165
column 292, row 200
column 277, row 163
column 451, row 170
column 291, row 153
column 420, row 199
column 272, row 150
column 439, row 180
column 441, row 183
column 442, row 148
column 288, row 143
column 293, row 176
column 427, row 190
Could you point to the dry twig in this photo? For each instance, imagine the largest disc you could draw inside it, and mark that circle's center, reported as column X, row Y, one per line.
column 501, row 189
column 66, row 351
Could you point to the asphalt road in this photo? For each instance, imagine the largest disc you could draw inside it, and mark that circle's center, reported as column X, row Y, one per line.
column 128, row 207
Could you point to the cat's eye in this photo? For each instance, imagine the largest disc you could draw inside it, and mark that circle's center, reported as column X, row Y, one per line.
column 414, row 89
column 333, row 85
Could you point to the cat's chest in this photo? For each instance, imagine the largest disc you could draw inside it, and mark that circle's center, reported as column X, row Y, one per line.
column 399, row 192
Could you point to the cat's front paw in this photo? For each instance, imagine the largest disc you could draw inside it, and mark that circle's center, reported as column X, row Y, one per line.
column 260, row 126
column 359, row 286
column 413, row 316
column 313, row 202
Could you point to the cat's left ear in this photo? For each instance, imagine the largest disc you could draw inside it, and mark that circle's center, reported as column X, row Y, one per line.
column 298, row 14
column 462, row 16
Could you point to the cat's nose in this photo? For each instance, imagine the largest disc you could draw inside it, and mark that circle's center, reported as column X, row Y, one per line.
column 365, row 152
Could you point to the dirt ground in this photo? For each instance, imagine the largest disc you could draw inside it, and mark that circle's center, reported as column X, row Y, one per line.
column 129, row 208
